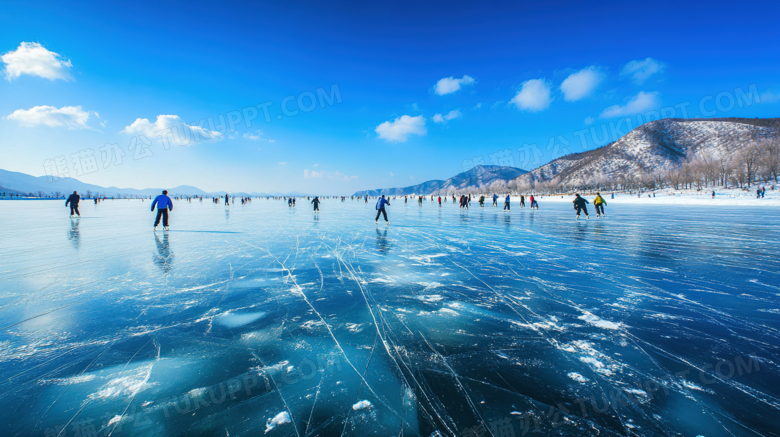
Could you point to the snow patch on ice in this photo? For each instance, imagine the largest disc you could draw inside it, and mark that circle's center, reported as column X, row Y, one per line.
column 68, row 381
column 593, row 362
column 577, row 377
column 692, row 386
column 279, row 419
column 231, row 321
column 361, row 405
column 354, row 327
column 596, row 321
column 134, row 382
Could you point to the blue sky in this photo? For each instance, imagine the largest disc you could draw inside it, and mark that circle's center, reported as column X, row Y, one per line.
column 425, row 88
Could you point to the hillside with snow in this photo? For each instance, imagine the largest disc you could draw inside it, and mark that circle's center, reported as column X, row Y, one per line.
column 651, row 148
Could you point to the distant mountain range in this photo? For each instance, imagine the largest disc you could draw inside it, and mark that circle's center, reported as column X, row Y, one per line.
column 655, row 146
column 15, row 182
column 480, row 175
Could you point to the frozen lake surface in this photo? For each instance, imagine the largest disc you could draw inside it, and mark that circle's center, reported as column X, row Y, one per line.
column 259, row 319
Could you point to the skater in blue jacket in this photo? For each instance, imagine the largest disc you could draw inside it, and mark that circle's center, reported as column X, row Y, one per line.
column 164, row 204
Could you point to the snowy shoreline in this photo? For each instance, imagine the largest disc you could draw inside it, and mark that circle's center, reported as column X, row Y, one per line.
column 728, row 197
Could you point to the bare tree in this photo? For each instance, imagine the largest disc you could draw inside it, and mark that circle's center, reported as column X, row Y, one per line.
column 749, row 158
column 771, row 148
column 724, row 159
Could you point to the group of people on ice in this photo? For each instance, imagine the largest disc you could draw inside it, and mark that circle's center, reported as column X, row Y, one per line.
column 580, row 205
column 163, row 203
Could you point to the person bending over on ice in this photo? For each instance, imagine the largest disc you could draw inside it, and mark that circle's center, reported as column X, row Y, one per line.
column 163, row 203
column 579, row 205
column 73, row 200
column 599, row 203
column 380, row 208
column 316, row 203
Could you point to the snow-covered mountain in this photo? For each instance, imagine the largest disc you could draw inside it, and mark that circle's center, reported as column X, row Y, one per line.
column 656, row 146
column 477, row 176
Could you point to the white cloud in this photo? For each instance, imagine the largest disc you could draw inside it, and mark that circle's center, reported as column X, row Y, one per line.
column 641, row 70
column 170, row 123
column 534, row 96
column 770, row 97
column 589, row 120
column 639, row 103
column 391, row 174
column 282, row 163
column 33, row 59
column 314, row 174
column 256, row 136
column 399, row 129
column 455, row 113
column 71, row 117
column 449, row 85
column 477, row 106
column 580, row 84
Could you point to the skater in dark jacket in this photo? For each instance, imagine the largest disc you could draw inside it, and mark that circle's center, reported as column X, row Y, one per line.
column 73, row 201
column 580, row 205
column 316, row 203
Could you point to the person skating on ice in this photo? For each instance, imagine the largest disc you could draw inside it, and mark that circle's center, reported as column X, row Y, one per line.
column 380, row 208
column 506, row 203
column 73, row 201
column 580, row 206
column 163, row 203
column 316, row 203
column 599, row 203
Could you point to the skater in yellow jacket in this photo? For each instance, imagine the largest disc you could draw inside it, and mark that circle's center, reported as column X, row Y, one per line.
column 599, row 203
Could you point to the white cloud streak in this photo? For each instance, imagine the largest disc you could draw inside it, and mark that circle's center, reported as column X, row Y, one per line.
column 33, row 59
column 398, row 130
column 324, row 174
column 70, row 117
column 452, row 115
column 639, row 103
column 449, row 85
column 580, row 84
column 166, row 125
column 641, row 70
column 534, row 96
